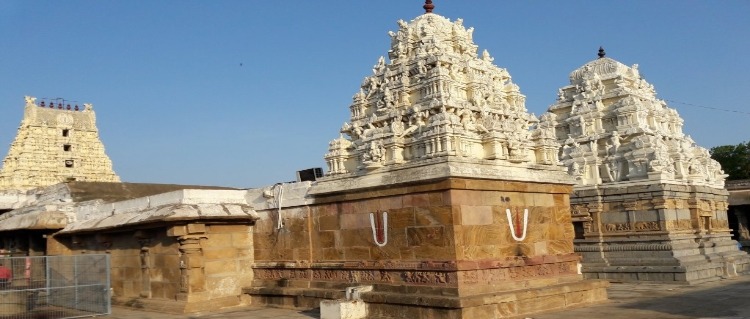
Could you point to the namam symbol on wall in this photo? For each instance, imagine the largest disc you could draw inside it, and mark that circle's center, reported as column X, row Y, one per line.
column 514, row 222
column 379, row 225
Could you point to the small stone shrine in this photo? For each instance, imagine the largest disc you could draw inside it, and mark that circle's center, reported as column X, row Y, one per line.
column 55, row 143
column 441, row 194
column 649, row 204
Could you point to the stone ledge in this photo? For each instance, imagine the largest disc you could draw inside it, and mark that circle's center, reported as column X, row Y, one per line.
column 419, row 265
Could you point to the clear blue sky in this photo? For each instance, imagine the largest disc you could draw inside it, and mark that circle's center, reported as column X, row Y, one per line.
column 245, row 93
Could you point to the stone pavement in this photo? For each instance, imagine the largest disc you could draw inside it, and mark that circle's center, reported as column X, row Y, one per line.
column 725, row 299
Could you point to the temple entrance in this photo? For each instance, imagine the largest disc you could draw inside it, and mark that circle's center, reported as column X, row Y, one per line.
column 733, row 223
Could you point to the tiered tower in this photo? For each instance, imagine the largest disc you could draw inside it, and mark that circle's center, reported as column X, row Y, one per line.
column 441, row 193
column 438, row 100
column 650, row 203
column 55, row 143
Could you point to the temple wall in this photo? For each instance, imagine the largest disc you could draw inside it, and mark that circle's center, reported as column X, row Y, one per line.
column 446, row 239
column 180, row 268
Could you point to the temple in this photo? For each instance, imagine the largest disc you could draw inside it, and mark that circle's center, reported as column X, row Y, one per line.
column 55, row 143
column 444, row 198
column 649, row 204
column 442, row 194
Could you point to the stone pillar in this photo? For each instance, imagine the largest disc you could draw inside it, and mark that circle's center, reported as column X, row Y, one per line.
column 144, row 240
column 192, row 277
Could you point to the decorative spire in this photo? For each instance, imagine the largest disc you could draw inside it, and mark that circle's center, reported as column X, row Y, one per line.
column 601, row 52
column 428, row 6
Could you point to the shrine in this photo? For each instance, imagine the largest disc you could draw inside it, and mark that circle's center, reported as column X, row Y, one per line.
column 442, row 193
column 649, row 204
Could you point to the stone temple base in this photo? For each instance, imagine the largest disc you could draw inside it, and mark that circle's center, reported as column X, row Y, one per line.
column 449, row 252
column 656, row 233
column 690, row 259
column 505, row 299
column 503, row 304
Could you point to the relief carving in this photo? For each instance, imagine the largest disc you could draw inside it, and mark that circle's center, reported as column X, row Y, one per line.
column 609, row 104
column 414, row 98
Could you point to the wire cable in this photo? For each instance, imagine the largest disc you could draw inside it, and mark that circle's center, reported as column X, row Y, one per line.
column 707, row 107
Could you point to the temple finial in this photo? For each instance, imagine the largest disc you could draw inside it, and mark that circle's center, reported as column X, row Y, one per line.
column 601, row 52
column 428, row 6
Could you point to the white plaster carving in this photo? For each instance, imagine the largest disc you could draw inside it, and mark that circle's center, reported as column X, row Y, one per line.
column 436, row 97
column 613, row 129
column 56, row 144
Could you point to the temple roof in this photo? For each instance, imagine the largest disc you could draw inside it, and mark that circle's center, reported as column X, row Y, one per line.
column 614, row 129
column 603, row 68
column 435, row 100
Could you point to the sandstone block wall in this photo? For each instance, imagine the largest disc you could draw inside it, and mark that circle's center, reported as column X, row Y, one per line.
column 451, row 235
column 181, row 268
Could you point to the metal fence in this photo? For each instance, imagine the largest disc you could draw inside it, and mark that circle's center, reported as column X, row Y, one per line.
column 54, row 287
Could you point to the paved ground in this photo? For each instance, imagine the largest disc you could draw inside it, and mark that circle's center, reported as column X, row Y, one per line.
column 725, row 299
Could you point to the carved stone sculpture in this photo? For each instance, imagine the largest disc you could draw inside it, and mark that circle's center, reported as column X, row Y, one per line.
column 409, row 105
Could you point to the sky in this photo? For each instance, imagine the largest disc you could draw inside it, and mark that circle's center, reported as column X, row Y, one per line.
column 245, row 93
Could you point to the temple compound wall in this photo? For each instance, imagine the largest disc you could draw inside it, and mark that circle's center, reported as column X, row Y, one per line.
column 55, row 143
column 444, row 196
column 649, row 204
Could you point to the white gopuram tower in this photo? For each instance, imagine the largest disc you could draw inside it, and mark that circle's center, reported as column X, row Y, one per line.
column 55, row 143
column 649, row 204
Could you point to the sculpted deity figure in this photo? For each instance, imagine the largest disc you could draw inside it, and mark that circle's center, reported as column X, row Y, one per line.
column 575, row 170
column 30, row 100
column 417, row 120
column 379, row 66
column 388, row 97
column 373, row 83
column 422, row 69
column 376, row 152
column 405, row 100
column 397, row 126
column 467, row 119
column 453, row 117
column 613, row 169
column 402, row 24
column 634, row 71
column 486, row 56
column 695, row 167
column 421, row 51
column 614, row 143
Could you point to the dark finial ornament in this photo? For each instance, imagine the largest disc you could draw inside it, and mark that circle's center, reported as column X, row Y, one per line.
column 428, row 6
column 601, row 52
